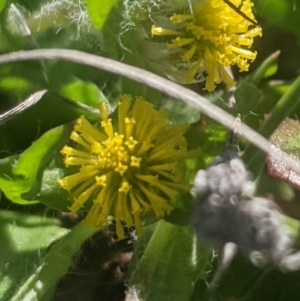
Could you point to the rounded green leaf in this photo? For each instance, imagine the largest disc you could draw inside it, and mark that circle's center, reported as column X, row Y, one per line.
column 172, row 262
column 21, row 176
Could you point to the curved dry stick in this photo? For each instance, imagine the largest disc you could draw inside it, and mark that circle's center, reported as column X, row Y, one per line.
column 156, row 82
column 30, row 101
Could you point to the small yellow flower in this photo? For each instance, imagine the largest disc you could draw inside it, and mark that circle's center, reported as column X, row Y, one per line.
column 211, row 39
column 127, row 169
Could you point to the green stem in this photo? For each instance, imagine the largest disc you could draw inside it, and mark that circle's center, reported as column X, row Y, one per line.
column 55, row 265
column 257, row 76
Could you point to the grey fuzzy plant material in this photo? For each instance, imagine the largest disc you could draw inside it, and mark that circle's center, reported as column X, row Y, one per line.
column 231, row 219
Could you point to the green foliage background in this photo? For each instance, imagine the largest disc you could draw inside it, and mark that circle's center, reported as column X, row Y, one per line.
column 168, row 262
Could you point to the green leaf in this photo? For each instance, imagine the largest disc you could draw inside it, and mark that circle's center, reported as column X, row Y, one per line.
column 239, row 279
column 210, row 137
column 294, row 226
column 265, row 185
column 53, row 266
column 12, row 83
column 114, row 48
column 51, row 111
column 24, row 239
column 274, row 285
column 99, row 11
column 180, row 112
column 20, row 177
column 247, row 97
column 281, row 13
column 181, row 214
column 13, row 187
column 83, row 92
column 171, row 263
column 201, row 293
column 2, row 4
column 243, row 281
column 51, row 193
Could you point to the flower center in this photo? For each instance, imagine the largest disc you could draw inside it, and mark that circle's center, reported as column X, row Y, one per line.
column 117, row 151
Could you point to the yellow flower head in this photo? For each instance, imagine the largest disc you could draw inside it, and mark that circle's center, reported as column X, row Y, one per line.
column 210, row 39
column 128, row 169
